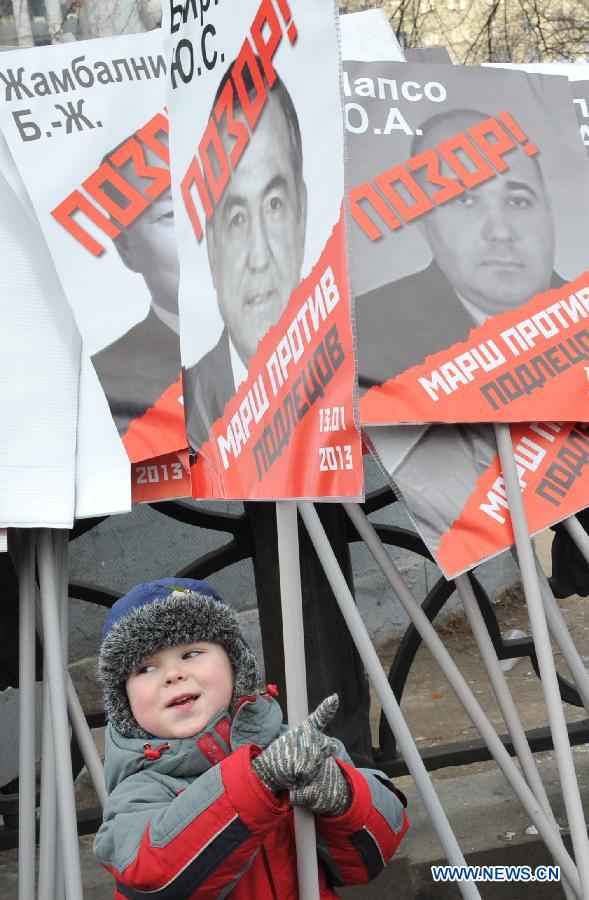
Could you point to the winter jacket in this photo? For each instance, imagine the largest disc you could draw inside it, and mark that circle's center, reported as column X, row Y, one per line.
column 190, row 819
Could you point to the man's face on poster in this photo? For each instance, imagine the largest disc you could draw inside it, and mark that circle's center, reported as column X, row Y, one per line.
column 148, row 245
column 495, row 243
column 256, row 237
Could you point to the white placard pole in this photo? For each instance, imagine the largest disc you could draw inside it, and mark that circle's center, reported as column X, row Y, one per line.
column 578, row 534
column 556, row 719
column 88, row 749
column 48, row 805
column 505, row 701
column 24, row 557
column 456, row 681
column 562, row 637
column 76, row 715
column 296, row 680
column 385, row 694
column 50, row 603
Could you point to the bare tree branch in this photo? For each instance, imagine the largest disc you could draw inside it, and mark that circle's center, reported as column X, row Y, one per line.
column 487, row 30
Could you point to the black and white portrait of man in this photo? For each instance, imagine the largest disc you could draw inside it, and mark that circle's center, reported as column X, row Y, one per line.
column 255, row 245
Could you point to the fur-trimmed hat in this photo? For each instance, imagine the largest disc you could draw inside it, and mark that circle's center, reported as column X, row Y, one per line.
column 161, row 614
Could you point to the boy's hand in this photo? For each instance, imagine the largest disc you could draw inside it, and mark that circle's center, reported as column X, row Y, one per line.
column 293, row 758
column 327, row 794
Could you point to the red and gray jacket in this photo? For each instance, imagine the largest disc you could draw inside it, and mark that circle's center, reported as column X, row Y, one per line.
column 190, row 819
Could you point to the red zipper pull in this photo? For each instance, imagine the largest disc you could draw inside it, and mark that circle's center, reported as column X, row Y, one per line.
column 150, row 752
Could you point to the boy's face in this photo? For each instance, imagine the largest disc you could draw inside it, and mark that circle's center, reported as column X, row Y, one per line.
column 177, row 691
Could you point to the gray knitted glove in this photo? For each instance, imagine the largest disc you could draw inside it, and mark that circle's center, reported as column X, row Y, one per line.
column 327, row 794
column 294, row 757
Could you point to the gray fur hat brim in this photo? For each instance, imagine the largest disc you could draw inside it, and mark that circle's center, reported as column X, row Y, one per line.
column 180, row 618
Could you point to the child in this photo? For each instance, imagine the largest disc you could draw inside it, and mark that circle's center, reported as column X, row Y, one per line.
column 196, row 806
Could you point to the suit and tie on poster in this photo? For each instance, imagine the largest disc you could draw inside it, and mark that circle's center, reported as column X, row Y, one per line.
column 257, row 161
column 469, row 197
column 86, row 127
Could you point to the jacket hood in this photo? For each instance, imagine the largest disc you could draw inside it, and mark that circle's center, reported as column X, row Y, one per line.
column 258, row 720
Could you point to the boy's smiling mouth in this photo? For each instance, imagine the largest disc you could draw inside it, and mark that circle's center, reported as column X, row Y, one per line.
column 183, row 700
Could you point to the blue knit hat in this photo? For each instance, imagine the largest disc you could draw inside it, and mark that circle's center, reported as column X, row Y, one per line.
column 147, row 592
column 160, row 614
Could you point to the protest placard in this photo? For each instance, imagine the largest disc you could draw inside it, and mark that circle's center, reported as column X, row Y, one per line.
column 368, row 35
column 449, row 477
column 95, row 112
column 439, row 55
column 257, row 161
column 39, row 372
column 469, row 202
column 578, row 76
column 101, row 464
column 580, row 94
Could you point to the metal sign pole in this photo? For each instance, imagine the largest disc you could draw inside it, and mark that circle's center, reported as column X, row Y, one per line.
column 385, row 694
column 59, row 539
column 296, row 680
column 502, row 692
column 505, row 700
column 88, row 749
column 428, row 634
column 48, row 804
column 562, row 637
column 578, row 534
column 78, row 721
column 560, row 738
column 59, row 873
column 57, row 695
column 25, row 557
